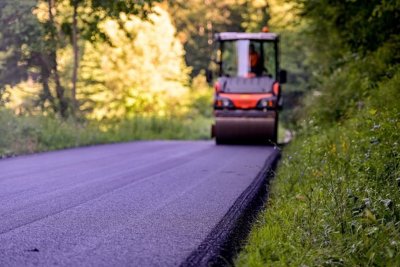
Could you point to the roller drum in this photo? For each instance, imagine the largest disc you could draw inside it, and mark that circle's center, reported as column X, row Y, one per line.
column 257, row 130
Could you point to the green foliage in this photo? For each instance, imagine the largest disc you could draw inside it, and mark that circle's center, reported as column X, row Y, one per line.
column 38, row 30
column 255, row 14
column 89, row 24
column 322, row 36
column 362, row 25
column 343, row 92
column 19, row 42
column 139, row 70
column 201, row 96
column 336, row 198
column 144, row 74
column 196, row 21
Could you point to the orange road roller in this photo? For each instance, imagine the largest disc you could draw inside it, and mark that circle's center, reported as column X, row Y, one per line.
column 248, row 89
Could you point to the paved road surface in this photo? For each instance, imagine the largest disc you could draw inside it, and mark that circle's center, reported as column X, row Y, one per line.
column 136, row 204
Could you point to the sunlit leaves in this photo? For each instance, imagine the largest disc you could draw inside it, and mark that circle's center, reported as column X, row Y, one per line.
column 141, row 74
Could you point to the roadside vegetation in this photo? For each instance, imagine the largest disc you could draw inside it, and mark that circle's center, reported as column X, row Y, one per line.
column 335, row 200
column 35, row 133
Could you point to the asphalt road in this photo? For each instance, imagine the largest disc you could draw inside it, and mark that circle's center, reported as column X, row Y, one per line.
column 132, row 204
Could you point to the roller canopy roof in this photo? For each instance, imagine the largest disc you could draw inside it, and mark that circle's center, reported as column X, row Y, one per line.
column 231, row 36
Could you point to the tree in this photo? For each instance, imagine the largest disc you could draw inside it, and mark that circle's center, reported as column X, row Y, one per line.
column 52, row 44
column 361, row 25
column 37, row 30
column 141, row 70
column 14, row 38
column 255, row 14
column 85, row 24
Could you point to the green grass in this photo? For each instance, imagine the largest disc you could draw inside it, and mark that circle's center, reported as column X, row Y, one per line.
column 336, row 198
column 29, row 134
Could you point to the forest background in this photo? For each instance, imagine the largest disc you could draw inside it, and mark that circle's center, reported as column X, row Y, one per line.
column 79, row 72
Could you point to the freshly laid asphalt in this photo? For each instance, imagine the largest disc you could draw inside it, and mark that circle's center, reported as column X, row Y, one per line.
column 132, row 204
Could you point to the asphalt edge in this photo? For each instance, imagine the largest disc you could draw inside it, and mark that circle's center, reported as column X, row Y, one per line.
column 225, row 240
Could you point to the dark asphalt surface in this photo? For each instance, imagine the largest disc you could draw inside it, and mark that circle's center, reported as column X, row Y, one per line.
column 132, row 204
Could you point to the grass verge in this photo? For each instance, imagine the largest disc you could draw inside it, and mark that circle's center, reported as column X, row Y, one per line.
column 336, row 198
column 29, row 134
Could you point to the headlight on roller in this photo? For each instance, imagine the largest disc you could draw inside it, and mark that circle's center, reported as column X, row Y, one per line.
column 263, row 103
column 222, row 102
column 267, row 103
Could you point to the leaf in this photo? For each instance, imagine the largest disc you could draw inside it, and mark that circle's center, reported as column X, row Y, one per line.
column 369, row 216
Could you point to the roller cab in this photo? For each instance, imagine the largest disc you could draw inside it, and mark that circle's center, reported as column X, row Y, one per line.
column 248, row 89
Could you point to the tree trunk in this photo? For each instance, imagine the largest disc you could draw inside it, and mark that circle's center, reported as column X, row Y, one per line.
column 76, row 56
column 45, row 75
column 59, row 88
column 63, row 104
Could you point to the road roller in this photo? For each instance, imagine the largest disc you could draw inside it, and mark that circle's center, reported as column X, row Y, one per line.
column 247, row 95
